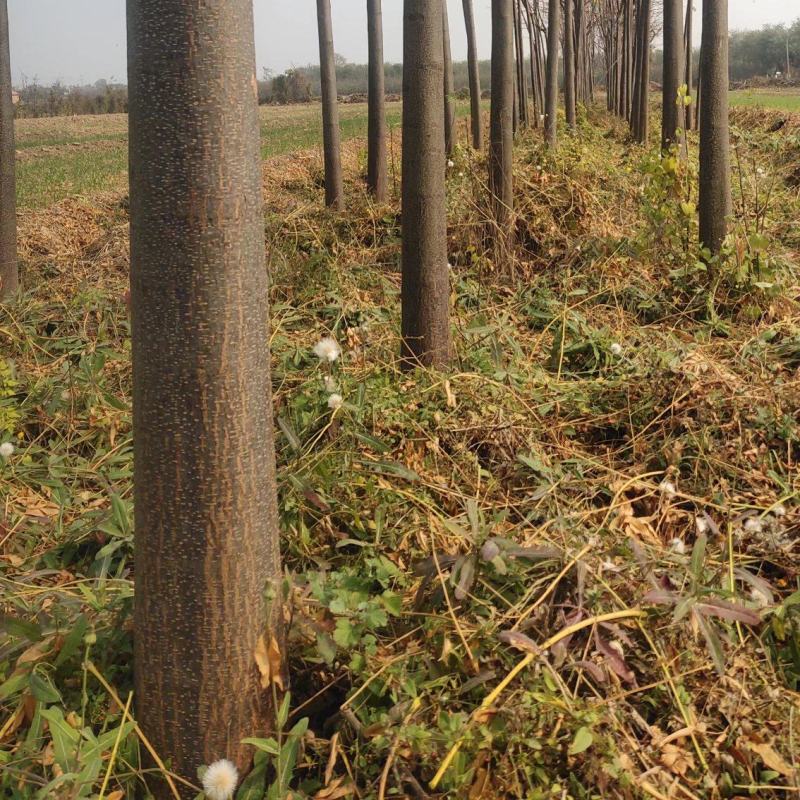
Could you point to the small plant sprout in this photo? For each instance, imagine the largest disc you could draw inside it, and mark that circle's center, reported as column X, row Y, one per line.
column 6, row 450
column 616, row 349
column 677, row 546
column 335, row 402
column 667, row 488
column 220, row 779
column 327, row 349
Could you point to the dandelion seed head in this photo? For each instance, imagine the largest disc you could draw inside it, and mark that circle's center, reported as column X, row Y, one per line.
column 6, row 449
column 460, row 174
column 335, row 401
column 667, row 488
column 450, row 163
column 753, row 525
column 678, row 546
column 327, row 349
column 760, row 598
column 779, row 510
column 220, row 779
column 701, row 525
column 616, row 349
column 329, row 382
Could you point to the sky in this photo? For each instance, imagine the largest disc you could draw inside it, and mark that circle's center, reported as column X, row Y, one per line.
column 81, row 41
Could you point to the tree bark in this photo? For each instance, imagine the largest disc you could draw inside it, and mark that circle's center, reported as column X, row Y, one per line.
column 426, row 279
column 449, row 111
column 522, row 81
column 672, row 114
column 474, row 76
column 501, row 146
column 643, row 110
column 206, row 520
column 376, row 134
column 715, row 188
column 688, row 77
column 551, row 97
column 569, row 63
column 9, row 275
column 334, row 191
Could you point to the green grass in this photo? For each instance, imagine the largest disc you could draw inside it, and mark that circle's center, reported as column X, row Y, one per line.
column 782, row 99
column 59, row 159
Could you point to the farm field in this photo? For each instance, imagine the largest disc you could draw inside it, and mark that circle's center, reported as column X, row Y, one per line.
column 71, row 156
column 609, row 469
column 786, row 99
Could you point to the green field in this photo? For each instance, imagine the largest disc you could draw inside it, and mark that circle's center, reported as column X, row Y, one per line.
column 68, row 156
column 788, row 100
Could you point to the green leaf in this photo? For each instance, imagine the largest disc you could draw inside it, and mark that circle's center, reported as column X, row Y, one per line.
column 266, row 745
column 65, row 738
column 42, row 688
column 698, row 556
column 283, row 711
column 582, row 741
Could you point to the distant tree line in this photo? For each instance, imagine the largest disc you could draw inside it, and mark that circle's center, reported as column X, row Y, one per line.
column 58, row 100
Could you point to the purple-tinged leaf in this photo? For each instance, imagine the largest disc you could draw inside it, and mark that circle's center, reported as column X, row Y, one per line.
column 614, row 659
column 595, row 670
column 661, row 597
column 728, row 611
column 520, row 641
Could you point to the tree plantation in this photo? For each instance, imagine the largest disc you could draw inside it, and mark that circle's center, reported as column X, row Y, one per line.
column 440, row 447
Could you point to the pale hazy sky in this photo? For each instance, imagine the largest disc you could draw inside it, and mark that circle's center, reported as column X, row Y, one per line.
column 80, row 41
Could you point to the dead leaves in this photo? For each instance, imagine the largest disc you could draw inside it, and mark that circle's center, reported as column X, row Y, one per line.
column 270, row 662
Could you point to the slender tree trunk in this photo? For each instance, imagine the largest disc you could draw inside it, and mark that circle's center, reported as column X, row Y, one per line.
column 537, row 103
column 206, row 517
column 426, row 279
column 501, row 147
column 9, row 280
column 376, row 134
column 580, row 51
column 449, row 110
column 474, row 77
column 334, row 191
column 672, row 119
column 643, row 111
column 551, row 98
column 715, row 188
column 688, row 78
column 569, row 63
column 522, row 80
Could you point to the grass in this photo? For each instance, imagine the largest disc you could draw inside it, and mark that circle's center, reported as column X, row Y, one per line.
column 79, row 156
column 559, row 569
column 784, row 99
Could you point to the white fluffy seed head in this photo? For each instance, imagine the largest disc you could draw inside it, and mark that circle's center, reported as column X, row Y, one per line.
column 220, row 779
column 6, row 449
column 677, row 546
column 450, row 164
column 753, row 525
column 701, row 525
column 335, row 401
column 760, row 598
column 667, row 488
column 327, row 349
column 616, row 349
column 329, row 382
column 779, row 510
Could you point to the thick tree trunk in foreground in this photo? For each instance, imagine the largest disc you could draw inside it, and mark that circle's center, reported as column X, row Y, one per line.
column 9, row 279
column 551, row 89
column 426, row 279
column 204, row 481
column 449, row 111
column 672, row 118
column 334, row 192
column 376, row 135
column 474, row 77
column 501, row 146
column 569, row 63
column 715, row 187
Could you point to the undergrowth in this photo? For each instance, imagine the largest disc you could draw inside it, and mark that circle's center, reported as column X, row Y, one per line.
column 603, row 487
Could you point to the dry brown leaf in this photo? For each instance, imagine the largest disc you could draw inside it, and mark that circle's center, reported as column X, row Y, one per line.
column 771, row 758
column 336, row 790
column 269, row 661
column 332, row 758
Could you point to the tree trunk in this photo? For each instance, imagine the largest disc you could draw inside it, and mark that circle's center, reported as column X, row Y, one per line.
column 474, row 76
column 334, row 191
column 376, row 135
column 715, row 188
column 9, row 280
column 672, row 119
column 449, row 111
column 688, row 78
column 206, row 521
column 522, row 80
column 569, row 63
column 501, row 146
column 643, row 111
column 426, row 279
column 551, row 97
